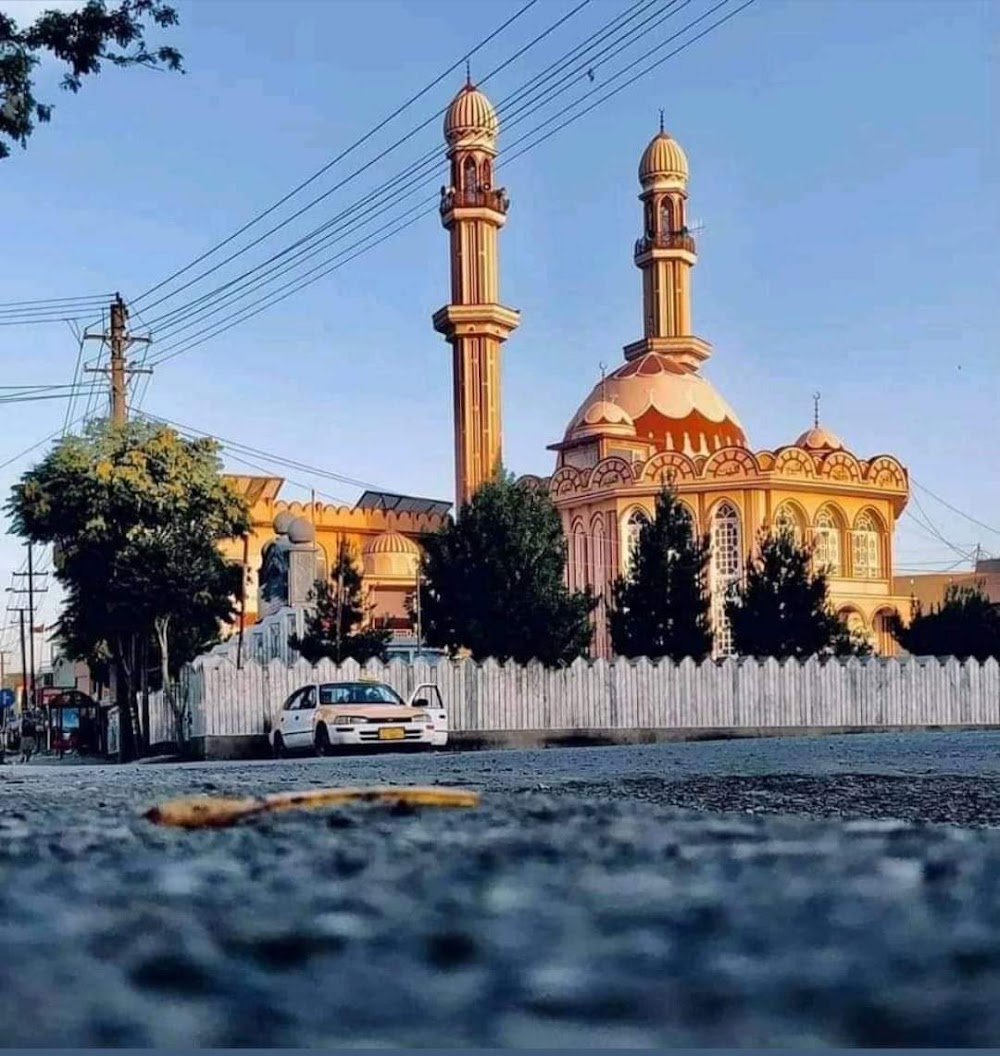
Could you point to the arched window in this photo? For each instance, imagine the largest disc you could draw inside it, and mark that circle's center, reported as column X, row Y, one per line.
column 599, row 552
column 855, row 623
column 470, row 177
column 826, row 535
column 666, row 216
column 726, row 567
column 788, row 519
column 486, row 180
column 885, row 641
column 633, row 526
column 866, row 548
column 578, row 556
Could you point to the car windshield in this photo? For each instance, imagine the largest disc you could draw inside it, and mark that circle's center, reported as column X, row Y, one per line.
column 358, row 693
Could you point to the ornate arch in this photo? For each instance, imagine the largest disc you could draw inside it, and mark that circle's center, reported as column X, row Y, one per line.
column 632, row 521
column 840, row 465
column 730, row 462
column 886, row 472
column 668, row 466
column 794, row 462
column 600, row 552
column 611, row 471
column 565, row 481
column 791, row 514
column 868, row 545
column 725, row 567
column 578, row 554
column 882, row 637
column 829, row 526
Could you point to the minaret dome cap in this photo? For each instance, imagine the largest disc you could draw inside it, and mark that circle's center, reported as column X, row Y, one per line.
column 663, row 161
column 470, row 119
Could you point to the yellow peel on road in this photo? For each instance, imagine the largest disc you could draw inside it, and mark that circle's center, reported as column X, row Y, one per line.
column 212, row 812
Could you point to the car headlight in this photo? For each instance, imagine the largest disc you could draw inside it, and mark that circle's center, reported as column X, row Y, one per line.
column 353, row 720
column 421, row 716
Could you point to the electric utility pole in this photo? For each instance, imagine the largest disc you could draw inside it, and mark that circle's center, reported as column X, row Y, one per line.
column 118, row 371
column 32, row 591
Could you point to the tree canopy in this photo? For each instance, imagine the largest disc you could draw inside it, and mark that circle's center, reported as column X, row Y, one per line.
column 83, row 40
column 493, row 581
column 966, row 624
column 135, row 514
column 782, row 608
column 338, row 627
column 661, row 606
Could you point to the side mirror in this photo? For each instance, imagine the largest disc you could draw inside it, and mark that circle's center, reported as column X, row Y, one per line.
column 423, row 702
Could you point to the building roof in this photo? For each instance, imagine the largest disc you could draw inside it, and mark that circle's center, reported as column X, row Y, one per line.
column 470, row 115
column 254, row 488
column 388, row 500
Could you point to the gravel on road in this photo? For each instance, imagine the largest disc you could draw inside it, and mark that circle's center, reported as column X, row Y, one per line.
column 717, row 894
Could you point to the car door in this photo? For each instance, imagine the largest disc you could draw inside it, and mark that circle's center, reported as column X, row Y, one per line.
column 288, row 717
column 305, row 709
column 427, row 697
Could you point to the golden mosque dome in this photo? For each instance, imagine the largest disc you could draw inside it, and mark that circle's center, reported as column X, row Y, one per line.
column 667, row 404
column 663, row 161
column 470, row 118
column 390, row 555
column 819, row 438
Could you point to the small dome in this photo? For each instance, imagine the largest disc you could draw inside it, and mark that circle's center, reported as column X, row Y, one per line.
column 470, row 120
column 819, row 438
column 391, row 543
column 282, row 522
column 391, row 556
column 301, row 530
column 601, row 418
column 663, row 162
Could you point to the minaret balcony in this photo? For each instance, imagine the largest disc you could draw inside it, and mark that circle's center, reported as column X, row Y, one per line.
column 453, row 198
column 673, row 240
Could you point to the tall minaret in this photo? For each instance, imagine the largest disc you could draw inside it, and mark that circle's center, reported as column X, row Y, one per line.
column 475, row 323
column 665, row 255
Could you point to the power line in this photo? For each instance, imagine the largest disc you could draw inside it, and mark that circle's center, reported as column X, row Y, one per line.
column 424, row 170
column 344, row 153
column 955, row 509
column 393, row 227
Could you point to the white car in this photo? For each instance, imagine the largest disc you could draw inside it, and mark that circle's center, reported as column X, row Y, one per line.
column 325, row 716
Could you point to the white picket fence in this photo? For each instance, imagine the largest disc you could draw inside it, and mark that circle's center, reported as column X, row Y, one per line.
column 619, row 695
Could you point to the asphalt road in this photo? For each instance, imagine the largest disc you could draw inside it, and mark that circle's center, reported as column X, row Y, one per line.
column 835, row 891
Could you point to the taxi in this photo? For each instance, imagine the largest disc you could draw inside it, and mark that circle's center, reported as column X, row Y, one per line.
column 326, row 716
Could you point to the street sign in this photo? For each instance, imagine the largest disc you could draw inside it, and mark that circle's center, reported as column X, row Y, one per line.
column 6, row 698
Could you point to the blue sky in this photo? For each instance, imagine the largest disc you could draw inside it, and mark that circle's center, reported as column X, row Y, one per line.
column 842, row 167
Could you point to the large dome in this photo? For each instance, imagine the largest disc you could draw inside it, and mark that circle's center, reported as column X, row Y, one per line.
column 470, row 120
column 671, row 407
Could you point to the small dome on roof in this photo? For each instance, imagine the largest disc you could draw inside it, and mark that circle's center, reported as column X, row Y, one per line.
column 601, row 418
column 663, row 161
column 282, row 521
column 819, row 438
column 301, row 530
column 391, row 555
column 470, row 120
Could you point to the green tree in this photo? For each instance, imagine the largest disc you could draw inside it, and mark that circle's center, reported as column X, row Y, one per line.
column 82, row 40
column 782, row 609
column 493, row 580
column 135, row 514
column 339, row 627
column 966, row 624
column 661, row 606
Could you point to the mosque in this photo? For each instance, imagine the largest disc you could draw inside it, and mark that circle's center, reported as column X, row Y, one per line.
column 654, row 419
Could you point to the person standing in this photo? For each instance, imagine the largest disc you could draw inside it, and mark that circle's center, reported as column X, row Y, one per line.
column 29, row 734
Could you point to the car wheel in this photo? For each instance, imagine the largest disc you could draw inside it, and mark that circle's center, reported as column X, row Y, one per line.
column 278, row 747
column 323, row 746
